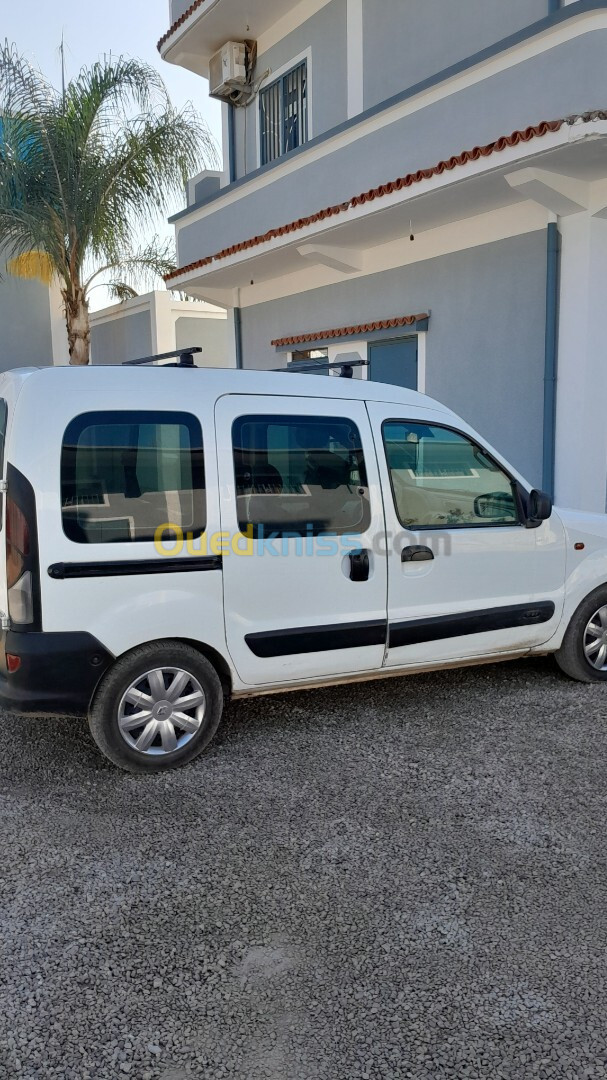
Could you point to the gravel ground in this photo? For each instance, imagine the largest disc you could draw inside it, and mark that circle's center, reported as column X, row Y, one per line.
column 397, row 879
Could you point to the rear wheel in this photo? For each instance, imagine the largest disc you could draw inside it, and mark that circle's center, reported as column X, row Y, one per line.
column 157, row 708
column 583, row 654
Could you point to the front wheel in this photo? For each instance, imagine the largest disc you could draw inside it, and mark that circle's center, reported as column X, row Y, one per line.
column 583, row 654
column 158, row 707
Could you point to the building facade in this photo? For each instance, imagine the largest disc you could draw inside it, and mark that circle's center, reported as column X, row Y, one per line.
column 421, row 185
column 32, row 323
column 156, row 323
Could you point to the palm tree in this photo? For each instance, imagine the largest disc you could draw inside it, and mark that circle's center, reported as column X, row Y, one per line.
column 83, row 173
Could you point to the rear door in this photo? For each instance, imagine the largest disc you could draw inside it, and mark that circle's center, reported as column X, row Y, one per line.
column 305, row 582
column 125, row 512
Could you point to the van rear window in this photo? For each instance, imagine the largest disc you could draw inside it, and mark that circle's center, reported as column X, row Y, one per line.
column 124, row 474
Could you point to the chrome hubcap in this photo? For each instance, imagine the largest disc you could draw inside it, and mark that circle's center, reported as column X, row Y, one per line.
column 595, row 640
column 161, row 711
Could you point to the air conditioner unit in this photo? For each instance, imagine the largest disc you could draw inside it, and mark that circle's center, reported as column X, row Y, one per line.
column 228, row 70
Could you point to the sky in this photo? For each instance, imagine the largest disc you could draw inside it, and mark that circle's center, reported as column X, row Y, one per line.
column 91, row 29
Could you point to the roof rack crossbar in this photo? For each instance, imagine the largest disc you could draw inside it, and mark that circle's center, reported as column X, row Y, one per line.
column 308, row 367
column 185, row 356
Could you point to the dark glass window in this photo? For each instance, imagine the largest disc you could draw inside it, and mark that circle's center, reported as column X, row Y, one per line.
column 3, row 423
column 310, row 359
column 283, row 110
column 300, row 475
column 125, row 473
column 441, row 479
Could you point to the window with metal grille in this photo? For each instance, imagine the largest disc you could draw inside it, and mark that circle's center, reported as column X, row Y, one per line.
column 283, row 108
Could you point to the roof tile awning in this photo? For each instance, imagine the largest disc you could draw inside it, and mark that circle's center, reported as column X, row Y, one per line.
column 339, row 238
column 179, row 22
column 500, row 144
column 206, row 25
column 363, row 330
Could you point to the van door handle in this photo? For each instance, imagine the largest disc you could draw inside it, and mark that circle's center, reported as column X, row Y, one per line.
column 359, row 565
column 417, row 553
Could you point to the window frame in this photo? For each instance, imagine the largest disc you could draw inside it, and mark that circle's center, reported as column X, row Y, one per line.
column 135, row 417
column 290, row 532
column 279, row 81
column 516, row 488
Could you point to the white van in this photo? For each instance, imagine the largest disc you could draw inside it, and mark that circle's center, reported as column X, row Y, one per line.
column 174, row 537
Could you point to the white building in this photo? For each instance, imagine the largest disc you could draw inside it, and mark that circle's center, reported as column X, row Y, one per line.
column 159, row 323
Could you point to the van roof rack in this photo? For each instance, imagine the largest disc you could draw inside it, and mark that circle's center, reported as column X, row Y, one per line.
column 308, row 367
column 185, row 358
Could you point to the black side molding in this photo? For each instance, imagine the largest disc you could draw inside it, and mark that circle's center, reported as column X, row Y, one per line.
column 418, row 631
column 309, row 639
column 195, row 564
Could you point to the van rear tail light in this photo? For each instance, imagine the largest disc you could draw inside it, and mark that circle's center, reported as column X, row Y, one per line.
column 17, row 542
column 13, row 662
column 20, row 567
column 21, row 600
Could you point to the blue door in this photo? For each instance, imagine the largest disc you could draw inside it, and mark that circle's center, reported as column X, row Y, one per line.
column 394, row 362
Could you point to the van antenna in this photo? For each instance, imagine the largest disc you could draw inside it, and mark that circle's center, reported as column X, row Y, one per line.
column 62, row 51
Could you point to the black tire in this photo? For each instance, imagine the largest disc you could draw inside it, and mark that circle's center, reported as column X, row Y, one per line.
column 108, row 704
column 571, row 657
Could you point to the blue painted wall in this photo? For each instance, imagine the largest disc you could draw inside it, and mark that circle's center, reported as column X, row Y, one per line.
column 25, row 322
column 485, row 344
column 568, row 79
column 122, row 339
column 178, row 8
column 407, row 42
column 210, row 334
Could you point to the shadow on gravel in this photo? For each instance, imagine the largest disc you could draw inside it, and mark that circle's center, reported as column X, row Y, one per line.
column 428, row 691
column 400, row 879
column 36, row 741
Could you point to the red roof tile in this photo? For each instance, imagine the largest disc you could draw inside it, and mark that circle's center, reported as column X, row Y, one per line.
column 503, row 143
column 350, row 331
column 179, row 22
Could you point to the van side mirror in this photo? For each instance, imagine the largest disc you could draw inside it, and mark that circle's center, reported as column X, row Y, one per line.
column 539, row 508
column 496, row 506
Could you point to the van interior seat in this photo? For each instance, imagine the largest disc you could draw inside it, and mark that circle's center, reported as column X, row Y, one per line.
column 327, row 470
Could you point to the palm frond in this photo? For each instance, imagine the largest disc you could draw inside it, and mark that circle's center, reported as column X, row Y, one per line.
column 119, row 290
column 82, row 175
column 146, row 173
column 141, row 269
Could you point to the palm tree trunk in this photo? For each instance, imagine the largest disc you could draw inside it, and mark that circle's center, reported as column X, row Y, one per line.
column 78, row 327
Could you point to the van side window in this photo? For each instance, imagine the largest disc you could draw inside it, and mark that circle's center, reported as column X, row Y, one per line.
column 300, row 475
column 441, row 478
column 123, row 474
